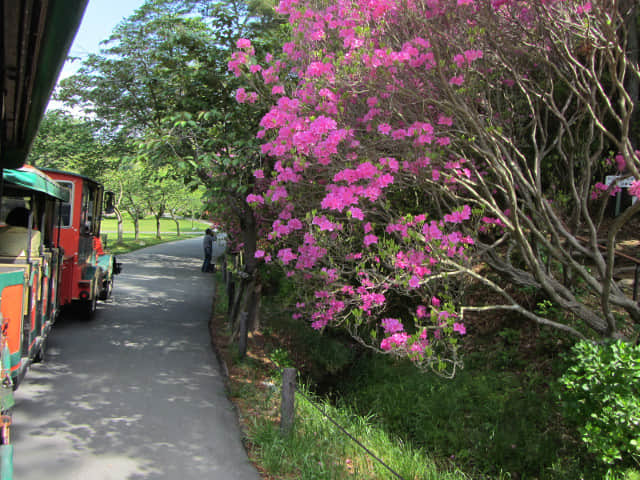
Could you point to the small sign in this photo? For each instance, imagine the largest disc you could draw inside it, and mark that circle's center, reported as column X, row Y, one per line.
column 626, row 183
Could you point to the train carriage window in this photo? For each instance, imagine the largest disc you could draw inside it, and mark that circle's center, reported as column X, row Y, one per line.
column 86, row 210
column 66, row 208
column 90, row 210
column 8, row 204
column 16, row 200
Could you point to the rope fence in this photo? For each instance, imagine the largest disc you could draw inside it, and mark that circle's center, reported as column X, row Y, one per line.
column 288, row 388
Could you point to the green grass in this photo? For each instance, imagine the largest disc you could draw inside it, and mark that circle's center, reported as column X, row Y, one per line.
column 148, row 224
column 487, row 421
column 109, row 228
column 499, row 418
column 129, row 244
column 317, row 450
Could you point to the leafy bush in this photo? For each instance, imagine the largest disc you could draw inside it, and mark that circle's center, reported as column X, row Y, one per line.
column 602, row 397
column 320, row 356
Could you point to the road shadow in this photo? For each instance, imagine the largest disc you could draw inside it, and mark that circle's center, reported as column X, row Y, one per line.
column 135, row 392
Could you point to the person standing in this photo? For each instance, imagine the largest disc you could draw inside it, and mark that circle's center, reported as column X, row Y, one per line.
column 207, row 245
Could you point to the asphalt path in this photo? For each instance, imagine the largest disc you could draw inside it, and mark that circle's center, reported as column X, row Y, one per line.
column 136, row 392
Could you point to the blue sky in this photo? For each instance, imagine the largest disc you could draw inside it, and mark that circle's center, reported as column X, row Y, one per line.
column 100, row 18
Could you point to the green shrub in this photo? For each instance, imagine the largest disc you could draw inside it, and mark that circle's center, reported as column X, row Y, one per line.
column 487, row 422
column 324, row 355
column 602, row 397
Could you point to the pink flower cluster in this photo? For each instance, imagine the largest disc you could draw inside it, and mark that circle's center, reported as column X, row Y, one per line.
column 353, row 149
column 600, row 188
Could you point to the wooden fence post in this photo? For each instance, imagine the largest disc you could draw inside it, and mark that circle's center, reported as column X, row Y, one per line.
column 242, row 340
column 636, row 279
column 288, row 400
column 225, row 272
column 231, row 293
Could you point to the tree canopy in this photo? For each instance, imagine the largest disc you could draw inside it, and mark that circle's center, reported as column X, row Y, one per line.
column 161, row 87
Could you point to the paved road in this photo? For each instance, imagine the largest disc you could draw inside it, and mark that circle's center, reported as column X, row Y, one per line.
column 136, row 393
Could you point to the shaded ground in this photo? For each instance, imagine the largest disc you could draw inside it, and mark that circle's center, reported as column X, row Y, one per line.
column 135, row 393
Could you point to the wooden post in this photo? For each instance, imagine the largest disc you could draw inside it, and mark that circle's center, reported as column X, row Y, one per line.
column 242, row 339
column 231, row 293
column 636, row 278
column 288, row 400
column 225, row 272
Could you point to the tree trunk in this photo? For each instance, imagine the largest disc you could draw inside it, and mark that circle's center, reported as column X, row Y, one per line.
column 236, row 306
column 136, row 228
column 245, row 305
column 633, row 83
column 158, row 236
column 120, row 226
column 245, row 300
column 253, row 321
column 250, row 239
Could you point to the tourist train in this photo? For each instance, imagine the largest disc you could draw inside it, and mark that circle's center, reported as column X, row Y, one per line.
column 51, row 255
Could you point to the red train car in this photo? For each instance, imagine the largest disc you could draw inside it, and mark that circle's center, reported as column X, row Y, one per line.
column 87, row 270
column 50, row 256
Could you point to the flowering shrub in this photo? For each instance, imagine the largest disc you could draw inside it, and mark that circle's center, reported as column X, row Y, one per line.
column 396, row 165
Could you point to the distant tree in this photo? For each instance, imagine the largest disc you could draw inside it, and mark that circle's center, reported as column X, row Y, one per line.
column 183, row 201
column 133, row 179
column 68, row 143
column 161, row 192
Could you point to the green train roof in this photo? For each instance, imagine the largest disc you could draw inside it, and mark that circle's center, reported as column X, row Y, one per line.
column 36, row 36
column 33, row 179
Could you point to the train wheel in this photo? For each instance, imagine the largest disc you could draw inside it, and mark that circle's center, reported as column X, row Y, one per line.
column 105, row 294
column 40, row 356
column 89, row 306
column 110, row 287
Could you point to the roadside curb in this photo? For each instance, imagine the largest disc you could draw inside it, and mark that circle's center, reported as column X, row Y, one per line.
column 225, row 377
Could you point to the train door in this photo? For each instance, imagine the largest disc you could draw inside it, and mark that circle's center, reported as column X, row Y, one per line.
column 66, row 234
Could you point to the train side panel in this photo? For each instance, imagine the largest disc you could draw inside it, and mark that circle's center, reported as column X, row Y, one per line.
column 29, row 265
column 13, row 291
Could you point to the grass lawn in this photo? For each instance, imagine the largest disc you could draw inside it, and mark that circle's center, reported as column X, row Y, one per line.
column 129, row 244
column 147, row 236
column 148, row 224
